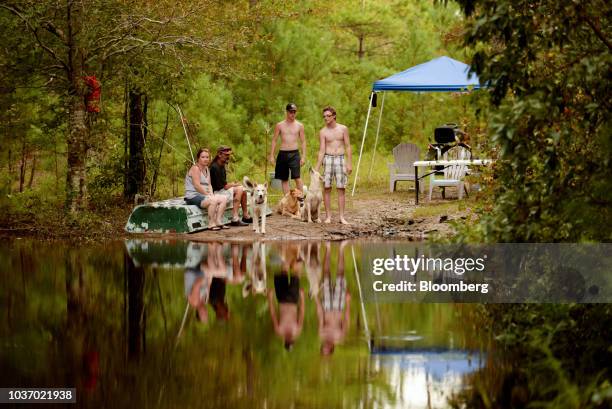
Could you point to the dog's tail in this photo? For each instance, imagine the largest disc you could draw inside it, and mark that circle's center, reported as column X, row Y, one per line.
column 248, row 185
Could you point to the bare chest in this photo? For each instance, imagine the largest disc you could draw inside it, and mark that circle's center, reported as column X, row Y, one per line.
column 290, row 129
column 333, row 135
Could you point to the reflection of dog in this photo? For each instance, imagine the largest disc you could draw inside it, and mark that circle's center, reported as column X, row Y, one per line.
column 256, row 280
column 314, row 269
column 290, row 204
column 258, row 203
column 314, row 198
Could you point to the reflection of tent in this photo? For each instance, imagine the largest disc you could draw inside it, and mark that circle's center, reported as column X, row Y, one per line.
column 441, row 74
column 438, row 364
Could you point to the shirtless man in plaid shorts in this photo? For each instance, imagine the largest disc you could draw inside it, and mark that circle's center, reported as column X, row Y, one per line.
column 334, row 145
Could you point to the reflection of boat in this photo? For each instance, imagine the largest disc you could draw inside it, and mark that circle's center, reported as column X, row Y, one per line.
column 172, row 216
column 165, row 253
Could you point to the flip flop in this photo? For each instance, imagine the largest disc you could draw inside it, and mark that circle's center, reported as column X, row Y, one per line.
column 215, row 228
column 224, row 227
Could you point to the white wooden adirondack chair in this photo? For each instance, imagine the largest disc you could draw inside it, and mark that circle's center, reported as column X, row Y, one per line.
column 404, row 154
column 454, row 174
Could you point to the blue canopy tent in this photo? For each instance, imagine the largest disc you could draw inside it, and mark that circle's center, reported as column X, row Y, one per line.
column 442, row 74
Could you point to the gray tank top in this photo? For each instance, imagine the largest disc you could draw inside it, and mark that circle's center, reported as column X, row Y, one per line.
column 190, row 190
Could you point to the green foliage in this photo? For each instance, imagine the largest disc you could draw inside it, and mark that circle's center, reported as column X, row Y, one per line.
column 563, row 351
column 547, row 62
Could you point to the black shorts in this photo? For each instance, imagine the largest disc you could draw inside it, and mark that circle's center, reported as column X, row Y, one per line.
column 287, row 291
column 285, row 161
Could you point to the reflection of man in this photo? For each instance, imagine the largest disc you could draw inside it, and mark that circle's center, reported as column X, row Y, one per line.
column 334, row 144
column 289, row 321
column 291, row 132
column 333, row 310
column 217, row 268
column 234, row 190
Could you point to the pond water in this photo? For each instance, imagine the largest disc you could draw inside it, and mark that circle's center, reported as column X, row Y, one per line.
column 166, row 324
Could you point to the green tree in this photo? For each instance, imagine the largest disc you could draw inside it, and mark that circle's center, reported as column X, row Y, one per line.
column 548, row 63
column 79, row 38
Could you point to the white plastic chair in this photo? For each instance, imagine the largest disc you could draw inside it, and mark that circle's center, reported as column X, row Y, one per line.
column 404, row 154
column 453, row 174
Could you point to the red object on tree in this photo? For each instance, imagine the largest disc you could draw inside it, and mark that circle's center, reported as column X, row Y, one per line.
column 93, row 96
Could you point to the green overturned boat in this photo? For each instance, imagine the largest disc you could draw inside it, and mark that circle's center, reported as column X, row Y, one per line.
column 173, row 216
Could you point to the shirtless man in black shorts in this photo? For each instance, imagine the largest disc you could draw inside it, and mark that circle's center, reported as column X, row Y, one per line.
column 289, row 158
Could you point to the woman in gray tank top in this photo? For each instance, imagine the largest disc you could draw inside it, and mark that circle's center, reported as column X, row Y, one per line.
column 198, row 191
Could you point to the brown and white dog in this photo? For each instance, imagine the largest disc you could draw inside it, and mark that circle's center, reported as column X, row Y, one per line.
column 291, row 205
column 313, row 198
column 258, row 203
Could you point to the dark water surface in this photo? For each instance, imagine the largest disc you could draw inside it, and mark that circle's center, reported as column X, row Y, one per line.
column 177, row 324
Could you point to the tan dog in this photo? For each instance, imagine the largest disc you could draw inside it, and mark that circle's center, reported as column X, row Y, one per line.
column 291, row 204
column 258, row 203
column 314, row 198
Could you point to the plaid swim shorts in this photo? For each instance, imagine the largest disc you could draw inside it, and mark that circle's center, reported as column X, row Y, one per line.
column 333, row 168
column 334, row 297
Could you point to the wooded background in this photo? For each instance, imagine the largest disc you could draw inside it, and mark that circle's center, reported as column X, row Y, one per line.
column 230, row 67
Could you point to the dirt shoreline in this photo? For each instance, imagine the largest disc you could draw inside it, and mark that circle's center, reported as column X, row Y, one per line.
column 389, row 216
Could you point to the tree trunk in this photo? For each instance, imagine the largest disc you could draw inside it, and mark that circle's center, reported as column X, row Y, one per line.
column 136, row 307
column 361, row 51
column 136, row 165
column 78, row 131
column 22, row 165
column 32, row 170
column 126, row 135
column 76, row 187
column 10, row 170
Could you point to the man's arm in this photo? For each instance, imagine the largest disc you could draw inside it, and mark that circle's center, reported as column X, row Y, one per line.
column 320, row 313
column 303, row 139
column 274, row 138
column 347, row 314
column 214, row 176
column 224, row 180
column 301, row 313
column 272, row 311
column 347, row 150
column 321, row 150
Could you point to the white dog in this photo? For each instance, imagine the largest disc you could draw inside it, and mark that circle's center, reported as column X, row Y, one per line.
column 258, row 203
column 256, row 280
column 314, row 269
column 314, row 198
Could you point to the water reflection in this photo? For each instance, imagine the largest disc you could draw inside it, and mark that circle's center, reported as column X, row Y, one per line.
column 334, row 305
column 422, row 379
column 266, row 324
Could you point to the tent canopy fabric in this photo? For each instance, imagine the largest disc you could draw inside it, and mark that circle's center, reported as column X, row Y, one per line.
column 441, row 74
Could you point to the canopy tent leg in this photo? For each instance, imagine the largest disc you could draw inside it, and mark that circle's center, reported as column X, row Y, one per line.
column 365, row 130
column 382, row 107
column 366, row 328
